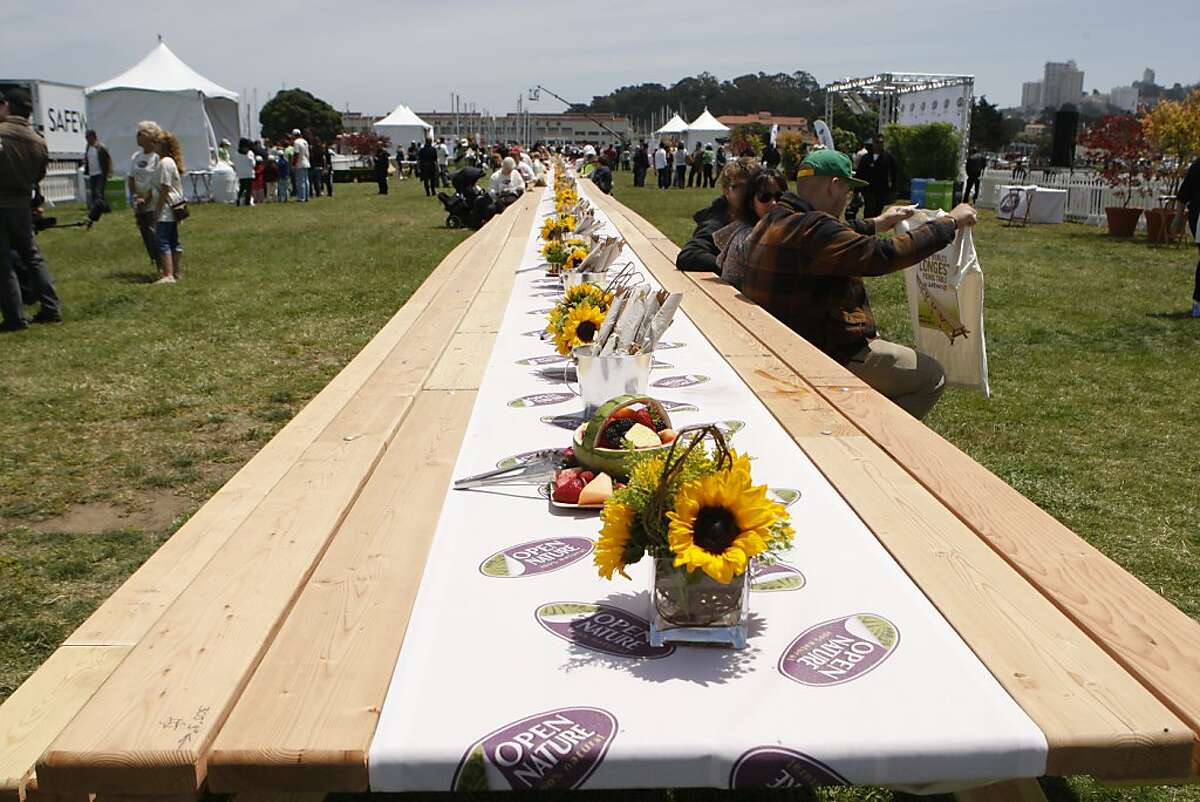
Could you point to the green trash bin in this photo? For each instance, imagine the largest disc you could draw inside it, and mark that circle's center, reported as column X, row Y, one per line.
column 939, row 195
column 114, row 192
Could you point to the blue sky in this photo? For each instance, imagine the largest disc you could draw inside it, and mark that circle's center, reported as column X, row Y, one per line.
column 372, row 55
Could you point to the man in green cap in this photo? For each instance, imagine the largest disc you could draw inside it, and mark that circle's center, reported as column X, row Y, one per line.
column 806, row 267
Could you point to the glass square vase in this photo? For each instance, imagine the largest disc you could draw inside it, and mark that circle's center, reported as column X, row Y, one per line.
column 695, row 608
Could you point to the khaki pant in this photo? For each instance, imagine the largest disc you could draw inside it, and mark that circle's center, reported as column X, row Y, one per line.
column 912, row 380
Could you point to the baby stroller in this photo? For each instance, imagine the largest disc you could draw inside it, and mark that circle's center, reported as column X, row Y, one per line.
column 461, row 206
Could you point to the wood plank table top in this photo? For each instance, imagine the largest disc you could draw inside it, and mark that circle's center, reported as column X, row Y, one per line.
column 255, row 654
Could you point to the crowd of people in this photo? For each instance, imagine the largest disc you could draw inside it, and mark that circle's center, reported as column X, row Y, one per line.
column 292, row 167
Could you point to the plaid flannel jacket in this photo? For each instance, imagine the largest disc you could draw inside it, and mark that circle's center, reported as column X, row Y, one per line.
column 805, row 267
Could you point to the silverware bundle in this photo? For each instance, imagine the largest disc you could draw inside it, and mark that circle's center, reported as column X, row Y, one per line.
column 635, row 320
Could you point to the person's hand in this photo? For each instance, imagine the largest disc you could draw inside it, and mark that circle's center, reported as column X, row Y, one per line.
column 888, row 220
column 964, row 215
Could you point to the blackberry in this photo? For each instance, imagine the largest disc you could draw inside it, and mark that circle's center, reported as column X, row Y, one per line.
column 614, row 433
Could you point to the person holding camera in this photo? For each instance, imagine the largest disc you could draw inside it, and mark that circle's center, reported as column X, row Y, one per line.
column 23, row 160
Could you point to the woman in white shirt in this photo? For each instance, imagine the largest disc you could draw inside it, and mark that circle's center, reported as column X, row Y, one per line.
column 170, row 193
column 143, row 185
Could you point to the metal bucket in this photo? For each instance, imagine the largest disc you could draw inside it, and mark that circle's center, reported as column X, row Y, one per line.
column 602, row 378
column 574, row 278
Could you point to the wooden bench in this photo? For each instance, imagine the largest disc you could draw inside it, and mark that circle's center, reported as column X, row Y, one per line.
column 383, row 377
column 1145, row 635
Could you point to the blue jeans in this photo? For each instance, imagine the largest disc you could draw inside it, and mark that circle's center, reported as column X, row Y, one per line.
column 168, row 237
column 281, row 189
column 302, row 184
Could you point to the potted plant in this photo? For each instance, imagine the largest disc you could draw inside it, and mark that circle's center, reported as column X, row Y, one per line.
column 1173, row 129
column 1124, row 154
column 700, row 517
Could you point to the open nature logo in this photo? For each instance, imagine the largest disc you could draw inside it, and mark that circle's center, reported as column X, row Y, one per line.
column 840, row 650
column 777, row 767
column 536, row 557
column 775, row 577
column 601, row 628
column 558, row 749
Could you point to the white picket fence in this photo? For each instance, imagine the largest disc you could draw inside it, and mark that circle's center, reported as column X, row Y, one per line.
column 62, row 183
column 1087, row 195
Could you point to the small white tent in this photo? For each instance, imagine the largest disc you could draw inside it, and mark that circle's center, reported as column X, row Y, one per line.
column 403, row 126
column 162, row 88
column 706, row 128
column 675, row 128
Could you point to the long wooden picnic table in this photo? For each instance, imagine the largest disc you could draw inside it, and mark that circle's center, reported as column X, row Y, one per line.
column 253, row 651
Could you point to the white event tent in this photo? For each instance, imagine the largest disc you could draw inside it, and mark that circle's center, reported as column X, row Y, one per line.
column 706, row 128
column 403, row 126
column 162, row 88
column 675, row 127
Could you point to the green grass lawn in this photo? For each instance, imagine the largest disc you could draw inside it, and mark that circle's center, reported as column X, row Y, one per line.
column 119, row 423
column 122, row 421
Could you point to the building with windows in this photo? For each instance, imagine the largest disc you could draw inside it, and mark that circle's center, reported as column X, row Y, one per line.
column 1125, row 98
column 555, row 129
column 1062, row 83
column 766, row 118
column 1031, row 96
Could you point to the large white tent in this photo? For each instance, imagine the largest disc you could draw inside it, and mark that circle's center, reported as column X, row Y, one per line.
column 706, row 128
column 675, row 127
column 403, row 126
column 162, row 88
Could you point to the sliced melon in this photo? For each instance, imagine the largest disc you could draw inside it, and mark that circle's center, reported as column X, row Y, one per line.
column 613, row 461
column 597, row 491
column 642, row 436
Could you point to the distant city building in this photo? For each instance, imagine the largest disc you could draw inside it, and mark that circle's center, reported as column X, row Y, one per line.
column 1147, row 76
column 1061, row 83
column 1125, row 98
column 355, row 122
column 1034, row 129
column 564, row 128
column 796, row 124
column 1031, row 96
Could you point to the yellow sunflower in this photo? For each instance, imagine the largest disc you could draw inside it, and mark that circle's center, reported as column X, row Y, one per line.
column 589, row 293
column 614, row 538
column 575, row 258
column 555, row 319
column 720, row 521
column 579, row 327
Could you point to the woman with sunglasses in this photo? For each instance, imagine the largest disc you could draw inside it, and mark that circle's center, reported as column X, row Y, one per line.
column 762, row 193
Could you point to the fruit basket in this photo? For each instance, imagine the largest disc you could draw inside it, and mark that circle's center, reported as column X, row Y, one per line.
column 625, row 426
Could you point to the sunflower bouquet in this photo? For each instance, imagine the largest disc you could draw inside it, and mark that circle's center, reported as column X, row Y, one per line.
column 557, row 252
column 576, row 319
column 692, row 510
column 557, row 226
column 701, row 518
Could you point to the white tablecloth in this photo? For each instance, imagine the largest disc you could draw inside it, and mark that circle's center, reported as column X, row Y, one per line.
column 522, row 668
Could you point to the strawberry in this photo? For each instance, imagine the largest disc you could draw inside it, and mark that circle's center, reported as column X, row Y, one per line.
column 587, row 476
column 568, row 484
column 642, row 416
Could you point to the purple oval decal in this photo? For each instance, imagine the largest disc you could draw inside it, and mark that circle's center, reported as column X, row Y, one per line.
column 687, row 380
column 840, row 650
column 526, row 457
column 777, row 767
column 540, row 400
column 775, row 577
column 678, row 406
column 536, row 557
column 534, row 333
column 601, row 628
column 569, row 420
column 558, row 749
column 548, row 359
